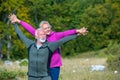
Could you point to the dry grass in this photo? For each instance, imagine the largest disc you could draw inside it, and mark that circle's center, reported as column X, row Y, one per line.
column 78, row 69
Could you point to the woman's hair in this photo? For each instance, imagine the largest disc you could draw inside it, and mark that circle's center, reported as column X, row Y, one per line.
column 44, row 22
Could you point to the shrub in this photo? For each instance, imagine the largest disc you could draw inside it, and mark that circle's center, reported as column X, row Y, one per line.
column 113, row 59
column 21, row 73
column 7, row 75
column 23, row 62
column 114, row 62
column 113, row 48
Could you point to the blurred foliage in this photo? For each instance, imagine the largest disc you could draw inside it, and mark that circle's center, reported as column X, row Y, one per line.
column 101, row 17
column 24, row 62
column 113, row 59
column 113, row 62
column 7, row 75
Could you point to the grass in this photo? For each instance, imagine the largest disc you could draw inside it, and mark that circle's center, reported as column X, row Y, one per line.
column 75, row 69
column 79, row 69
column 21, row 71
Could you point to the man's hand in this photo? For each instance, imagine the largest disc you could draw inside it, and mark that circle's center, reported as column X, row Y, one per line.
column 13, row 18
column 82, row 31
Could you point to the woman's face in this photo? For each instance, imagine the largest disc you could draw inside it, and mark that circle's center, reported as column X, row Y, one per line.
column 46, row 28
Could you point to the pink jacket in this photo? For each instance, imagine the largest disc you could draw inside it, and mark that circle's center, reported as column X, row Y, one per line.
column 54, row 36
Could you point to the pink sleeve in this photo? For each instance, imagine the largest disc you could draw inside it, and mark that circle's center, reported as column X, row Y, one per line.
column 28, row 27
column 60, row 35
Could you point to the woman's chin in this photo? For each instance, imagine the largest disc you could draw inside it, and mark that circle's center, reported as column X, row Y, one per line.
column 48, row 33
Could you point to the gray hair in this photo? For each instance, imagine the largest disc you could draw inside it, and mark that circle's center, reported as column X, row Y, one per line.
column 36, row 31
column 44, row 22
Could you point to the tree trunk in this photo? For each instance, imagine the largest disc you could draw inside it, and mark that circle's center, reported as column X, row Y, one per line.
column 1, row 42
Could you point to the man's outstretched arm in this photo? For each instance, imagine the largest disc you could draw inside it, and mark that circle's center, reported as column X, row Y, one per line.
column 26, row 41
column 54, row 45
column 13, row 18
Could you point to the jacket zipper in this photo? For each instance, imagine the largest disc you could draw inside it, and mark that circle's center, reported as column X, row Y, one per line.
column 37, row 63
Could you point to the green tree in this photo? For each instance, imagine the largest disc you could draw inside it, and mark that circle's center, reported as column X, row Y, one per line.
column 101, row 17
column 7, row 7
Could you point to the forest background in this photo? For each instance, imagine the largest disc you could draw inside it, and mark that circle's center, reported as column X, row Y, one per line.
column 101, row 17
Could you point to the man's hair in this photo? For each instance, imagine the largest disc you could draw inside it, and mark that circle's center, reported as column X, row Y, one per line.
column 36, row 31
column 44, row 22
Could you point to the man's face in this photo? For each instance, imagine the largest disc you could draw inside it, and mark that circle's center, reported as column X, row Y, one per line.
column 41, row 36
column 46, row 28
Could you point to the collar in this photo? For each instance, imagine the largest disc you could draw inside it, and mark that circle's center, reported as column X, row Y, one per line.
column 38, row 46
column 45, row 44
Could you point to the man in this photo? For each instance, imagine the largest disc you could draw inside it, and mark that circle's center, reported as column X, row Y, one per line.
column 52, row 36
